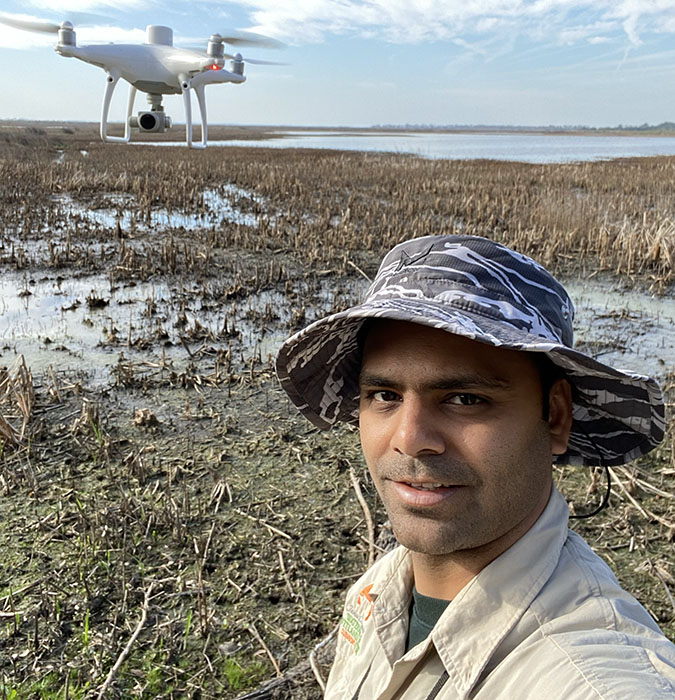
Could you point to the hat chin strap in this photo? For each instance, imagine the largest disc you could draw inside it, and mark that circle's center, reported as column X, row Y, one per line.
column 605, row 499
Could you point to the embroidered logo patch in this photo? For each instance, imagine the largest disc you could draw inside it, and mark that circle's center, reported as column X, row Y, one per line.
column 351, row 628
column 352, row 623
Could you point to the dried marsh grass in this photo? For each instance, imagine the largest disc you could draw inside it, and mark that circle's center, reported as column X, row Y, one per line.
column 17, row 396
column 327, row 207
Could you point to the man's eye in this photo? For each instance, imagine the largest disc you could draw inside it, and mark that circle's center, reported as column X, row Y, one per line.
column 383, row 396
column 464, row 400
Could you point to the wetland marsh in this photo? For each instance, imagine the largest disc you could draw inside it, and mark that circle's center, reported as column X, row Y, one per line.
column 158, row 495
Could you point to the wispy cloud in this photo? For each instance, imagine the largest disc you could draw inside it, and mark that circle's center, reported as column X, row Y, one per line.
column 416, row 21
column 575, row 34
column 65, row 7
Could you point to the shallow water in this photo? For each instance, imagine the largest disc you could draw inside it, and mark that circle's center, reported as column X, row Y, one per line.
column 627, row 329
column 55, row 324
column 218, row 208
column 83, row 324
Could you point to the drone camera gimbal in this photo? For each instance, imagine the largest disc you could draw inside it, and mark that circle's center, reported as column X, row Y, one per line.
column 155, row 121
column 151, row 122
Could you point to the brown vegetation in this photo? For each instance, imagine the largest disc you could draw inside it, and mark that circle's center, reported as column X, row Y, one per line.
column 615, row 216
column 175, row 530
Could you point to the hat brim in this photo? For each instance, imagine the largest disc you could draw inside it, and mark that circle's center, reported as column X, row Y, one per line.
column 618, row 416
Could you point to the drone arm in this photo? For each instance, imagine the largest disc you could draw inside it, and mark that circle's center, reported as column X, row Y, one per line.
column 209, row 77
column 112, row 79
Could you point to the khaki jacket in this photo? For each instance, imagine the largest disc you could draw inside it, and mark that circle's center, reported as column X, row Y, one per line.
column 547, row 620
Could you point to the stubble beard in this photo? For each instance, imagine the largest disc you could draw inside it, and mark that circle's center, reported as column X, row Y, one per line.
column 475, row 517
column 432, row 532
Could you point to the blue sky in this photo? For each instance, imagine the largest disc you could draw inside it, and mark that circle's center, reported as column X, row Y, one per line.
column 358, row 63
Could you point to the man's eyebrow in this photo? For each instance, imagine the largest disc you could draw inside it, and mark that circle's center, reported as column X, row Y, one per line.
column 454, row 383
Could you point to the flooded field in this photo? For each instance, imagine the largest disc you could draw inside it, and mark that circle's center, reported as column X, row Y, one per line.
column 170, row 527
column 83, row 322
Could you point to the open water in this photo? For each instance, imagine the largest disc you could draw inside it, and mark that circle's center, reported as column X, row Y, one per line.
column 514, row 146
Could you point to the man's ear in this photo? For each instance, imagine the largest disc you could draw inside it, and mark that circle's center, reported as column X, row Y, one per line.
column 560, row 415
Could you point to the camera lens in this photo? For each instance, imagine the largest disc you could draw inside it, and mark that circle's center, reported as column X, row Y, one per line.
column 147, row 121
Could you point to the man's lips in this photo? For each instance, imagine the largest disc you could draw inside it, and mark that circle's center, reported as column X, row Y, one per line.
column 424, row 493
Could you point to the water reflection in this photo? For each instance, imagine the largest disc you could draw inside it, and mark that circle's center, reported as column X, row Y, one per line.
column 83, row 323
column 524, row 147
column 218, row 208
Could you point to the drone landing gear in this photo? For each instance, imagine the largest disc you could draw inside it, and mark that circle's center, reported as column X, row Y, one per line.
column 153, row 121
column 187, row 102
column 156, row 120
column 111, row 82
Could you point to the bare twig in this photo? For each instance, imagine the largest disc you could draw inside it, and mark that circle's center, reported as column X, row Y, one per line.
column 125, row 652
column 646, row 513
column 252, row 629
column 645, row 484
column 312, row 658
column 367, row 516
column 323, row 653
column 660, row 577
column 271, row 528
column 13, row 594
column 282, row 565
column 359, row 270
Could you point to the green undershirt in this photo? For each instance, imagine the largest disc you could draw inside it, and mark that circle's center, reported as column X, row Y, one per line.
column 424, row 614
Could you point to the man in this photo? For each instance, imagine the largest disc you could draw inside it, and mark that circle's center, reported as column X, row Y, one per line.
column 460, row 371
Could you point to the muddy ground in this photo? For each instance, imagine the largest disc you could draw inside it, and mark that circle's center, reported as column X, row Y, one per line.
column 158, row 495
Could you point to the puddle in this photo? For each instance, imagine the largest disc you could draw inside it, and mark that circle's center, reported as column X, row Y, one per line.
column 219, row 207
column 627, row 329
column 51, row 322
column 83, row 324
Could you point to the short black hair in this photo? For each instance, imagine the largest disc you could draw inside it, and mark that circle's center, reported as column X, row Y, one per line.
column 549, row 374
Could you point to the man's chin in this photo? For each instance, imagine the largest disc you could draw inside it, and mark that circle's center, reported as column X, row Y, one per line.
column 429, row 543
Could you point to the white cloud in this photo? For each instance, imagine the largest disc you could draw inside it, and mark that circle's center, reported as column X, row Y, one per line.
column 587, row 32
column 66, row 7
column 416, row 21
column 486, row 24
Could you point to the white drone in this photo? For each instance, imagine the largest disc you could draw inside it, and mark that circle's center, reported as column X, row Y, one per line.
column 157, row 68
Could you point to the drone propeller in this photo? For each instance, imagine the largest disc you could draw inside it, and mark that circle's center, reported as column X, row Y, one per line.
column 241, row 38
column 253, row 61
column 82, row 19
column 216, row 50
column 32, row 25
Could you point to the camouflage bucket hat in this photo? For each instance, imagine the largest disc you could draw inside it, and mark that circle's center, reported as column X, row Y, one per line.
column 484, row 291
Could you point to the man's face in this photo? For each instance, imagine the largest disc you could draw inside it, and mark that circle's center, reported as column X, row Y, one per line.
column 453, row 434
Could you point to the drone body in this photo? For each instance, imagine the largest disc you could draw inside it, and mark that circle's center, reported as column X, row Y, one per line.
column 156, row 68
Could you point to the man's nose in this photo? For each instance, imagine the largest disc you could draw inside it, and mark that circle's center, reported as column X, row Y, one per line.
column 416, row 430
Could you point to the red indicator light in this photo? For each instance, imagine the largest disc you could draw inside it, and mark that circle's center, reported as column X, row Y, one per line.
column 214, row 66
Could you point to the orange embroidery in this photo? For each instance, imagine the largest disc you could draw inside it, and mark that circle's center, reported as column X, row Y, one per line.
column 347, row 636
column 371, row 599
column 365, row 592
